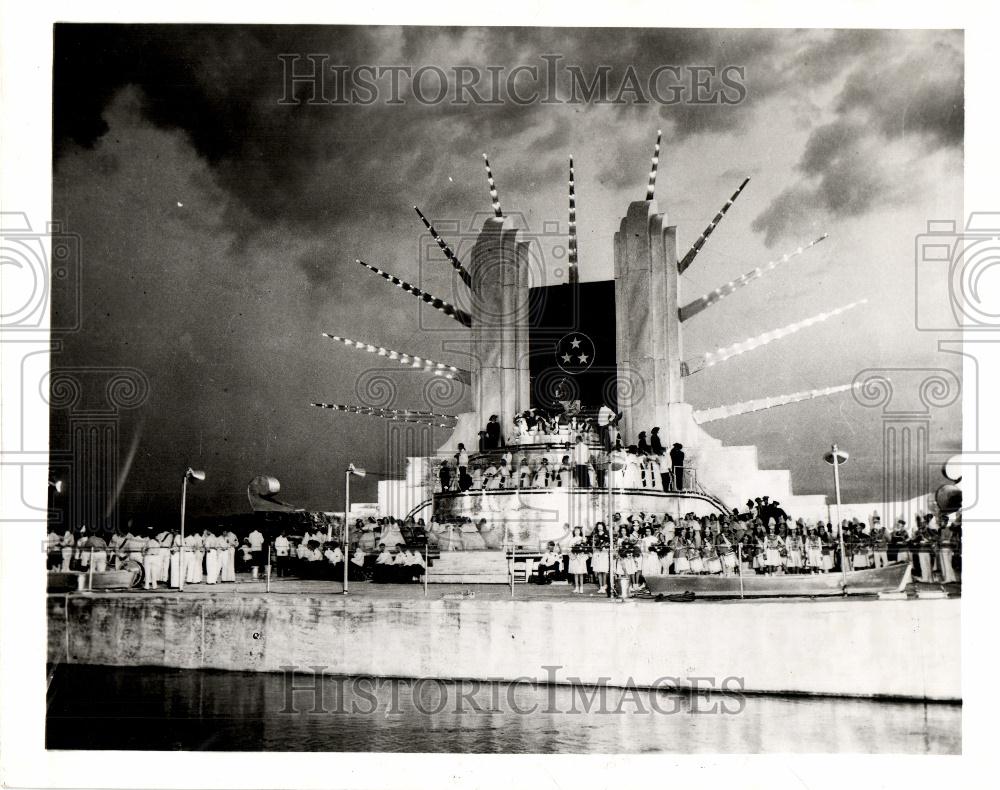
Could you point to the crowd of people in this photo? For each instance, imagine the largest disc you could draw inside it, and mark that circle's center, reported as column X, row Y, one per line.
column 215, row 557
column 584, row 459
column 761, row 540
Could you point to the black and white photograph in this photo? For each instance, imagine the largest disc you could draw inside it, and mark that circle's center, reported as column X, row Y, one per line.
column 532, row 386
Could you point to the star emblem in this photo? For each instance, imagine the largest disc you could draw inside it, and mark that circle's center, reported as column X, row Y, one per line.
column 575, row 353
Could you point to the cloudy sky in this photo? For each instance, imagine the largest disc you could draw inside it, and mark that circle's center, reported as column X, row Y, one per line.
column 219, row 226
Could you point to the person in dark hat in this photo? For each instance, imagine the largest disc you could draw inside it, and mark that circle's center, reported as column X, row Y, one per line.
column 494, row 439
column 655, row 445
column 677, row 462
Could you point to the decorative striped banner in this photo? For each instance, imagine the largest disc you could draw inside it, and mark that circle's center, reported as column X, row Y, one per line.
column 693, row 308
column 494, row 197
column 700, row 241
column 574, row 274
column 438, row 304
column 455, row 262
column 728, row 352
column 395, row 415
column 745, row 407
column 651, row 189
column 410, row 360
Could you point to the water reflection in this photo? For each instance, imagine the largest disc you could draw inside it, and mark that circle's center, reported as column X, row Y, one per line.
column 142, row 708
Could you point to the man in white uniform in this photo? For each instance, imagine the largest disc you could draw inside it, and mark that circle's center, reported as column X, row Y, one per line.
column 281, row 551
column 257, row 548
column 151, row 563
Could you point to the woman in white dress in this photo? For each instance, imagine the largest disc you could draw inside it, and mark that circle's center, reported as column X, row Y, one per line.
column 541, row 477
column 564, row 475
column 796, row 550
column 633, row 469
column 578, row 558
column 724, row 544
column 773, row 547
column 524, row 474
column 680, row 545
column 649, row 562
column 599, row 542
column 814, row 552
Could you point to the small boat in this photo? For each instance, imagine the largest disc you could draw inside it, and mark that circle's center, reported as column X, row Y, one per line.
column 892, row 578
column 79, row 581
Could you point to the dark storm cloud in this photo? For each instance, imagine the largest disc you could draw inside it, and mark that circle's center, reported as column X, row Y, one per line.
column 906, row 87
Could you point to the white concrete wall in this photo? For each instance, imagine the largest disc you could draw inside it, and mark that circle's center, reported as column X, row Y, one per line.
column 906, row 648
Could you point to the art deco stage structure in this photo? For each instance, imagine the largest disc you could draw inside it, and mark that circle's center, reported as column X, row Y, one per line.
column 582, row 345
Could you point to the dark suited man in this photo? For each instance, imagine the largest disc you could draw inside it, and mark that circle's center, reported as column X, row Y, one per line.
column 677, row 462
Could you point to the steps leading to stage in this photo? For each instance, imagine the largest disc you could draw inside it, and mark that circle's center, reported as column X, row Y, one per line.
column 469, row 567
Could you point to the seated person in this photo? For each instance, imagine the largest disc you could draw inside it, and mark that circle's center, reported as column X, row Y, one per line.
column 414, row 565
column 383, row 565
column 400, row 571
column 356, row 568
column 548, row 566
column 335, row 557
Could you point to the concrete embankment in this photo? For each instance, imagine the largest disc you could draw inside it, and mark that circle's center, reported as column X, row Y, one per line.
column 903, row 649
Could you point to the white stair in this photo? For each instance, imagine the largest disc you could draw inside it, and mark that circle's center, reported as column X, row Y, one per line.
column 469, row 567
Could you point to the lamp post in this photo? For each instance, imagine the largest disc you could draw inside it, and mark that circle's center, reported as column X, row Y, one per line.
column 190, row 474
column 836, row 457
column 351, row 470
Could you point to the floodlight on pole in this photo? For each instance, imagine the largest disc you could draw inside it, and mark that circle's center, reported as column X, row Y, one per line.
column 190, row 474
column 836, row 457
column 351, row 470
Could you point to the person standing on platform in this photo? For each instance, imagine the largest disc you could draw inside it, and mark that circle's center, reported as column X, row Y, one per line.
column 923, row 546
column 655, row 443
column 677, row 463
column 578, row 558
column 880, row 543
column 494, row 438
column 900, row 541
column 257, row 548
column 581, row 457
column 724, row 545
column 151, row 563
column 524, row 474
column 541, row 477
column 503, row 474
column 795, row 548
column 444, row 475
column 462, row 460
column 946, row 548
column 231, row 544
column 773, row 546
column 281, row 551
column 814, row 552
column 213, row 564
column 599, row 542
column 192, row 565
column 565, row 473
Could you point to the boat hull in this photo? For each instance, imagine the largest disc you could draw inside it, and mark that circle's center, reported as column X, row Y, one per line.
column 891, row 578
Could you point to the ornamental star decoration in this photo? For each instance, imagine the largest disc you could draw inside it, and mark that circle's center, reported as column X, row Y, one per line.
column 575, row 353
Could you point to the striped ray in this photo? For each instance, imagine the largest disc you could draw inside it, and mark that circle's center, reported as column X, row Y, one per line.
column 693, row 308
column 728, row 352
column 393, row 415
column 447, row 308
column 455, row 262
column 700, row 241
column 494, row 197
column 651, row 188
column 746, row 407
column 410, row 360
column 574, row 273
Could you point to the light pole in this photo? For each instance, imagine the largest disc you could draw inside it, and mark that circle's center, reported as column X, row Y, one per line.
column 351, row 470
column 836, row 457
column 190, row 474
